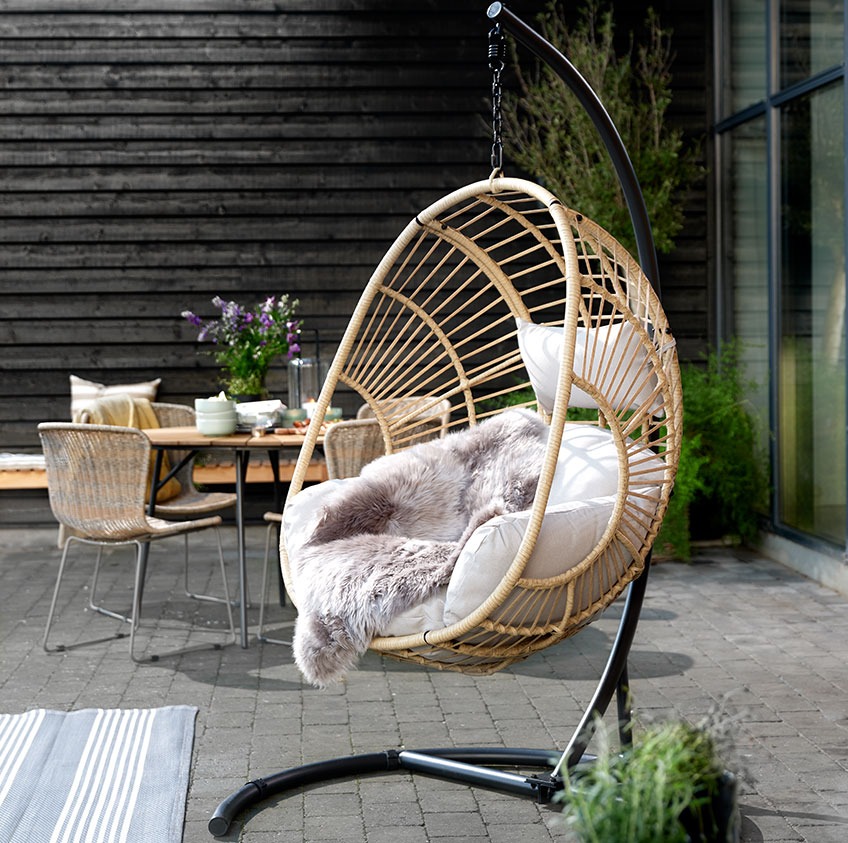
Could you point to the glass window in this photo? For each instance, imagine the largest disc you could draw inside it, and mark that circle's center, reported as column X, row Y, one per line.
column 811, row 366
column 810, row 38
column 746, row 262
column 745, row 37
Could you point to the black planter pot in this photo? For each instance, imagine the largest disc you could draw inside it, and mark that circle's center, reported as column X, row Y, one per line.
column 705, row 520
column 717, row 819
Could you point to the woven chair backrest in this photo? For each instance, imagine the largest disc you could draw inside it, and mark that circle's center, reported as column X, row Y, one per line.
column 435, row 418
column 177, row 415
column 349, row 445
column 96, row 478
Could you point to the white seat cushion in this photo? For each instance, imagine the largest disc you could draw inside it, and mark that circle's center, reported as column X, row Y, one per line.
column 581, row 503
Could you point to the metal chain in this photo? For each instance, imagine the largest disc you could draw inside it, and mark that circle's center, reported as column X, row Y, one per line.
column 497, row 52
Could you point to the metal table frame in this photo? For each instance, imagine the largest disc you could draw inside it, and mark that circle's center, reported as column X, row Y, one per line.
column 241, row 445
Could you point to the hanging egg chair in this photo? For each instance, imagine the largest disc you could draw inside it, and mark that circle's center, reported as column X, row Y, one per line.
column 500, row 315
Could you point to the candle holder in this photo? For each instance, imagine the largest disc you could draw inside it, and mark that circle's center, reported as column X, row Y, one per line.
column 306, row 375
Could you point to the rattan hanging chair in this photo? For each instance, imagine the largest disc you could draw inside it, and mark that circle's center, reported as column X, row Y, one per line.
column 494, row 279
column 495, row 297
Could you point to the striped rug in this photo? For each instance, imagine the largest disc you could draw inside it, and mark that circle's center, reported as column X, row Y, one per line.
column 99, row 775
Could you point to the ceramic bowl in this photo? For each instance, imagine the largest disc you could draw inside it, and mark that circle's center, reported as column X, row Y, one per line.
column 293, row 415
column 224, row 413
column 216, row 426
column 213, row 405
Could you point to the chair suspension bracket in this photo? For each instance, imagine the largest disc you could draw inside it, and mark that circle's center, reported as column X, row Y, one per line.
column 623, row 166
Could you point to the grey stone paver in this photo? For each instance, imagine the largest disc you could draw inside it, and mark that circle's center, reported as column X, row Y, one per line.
column 732, row 629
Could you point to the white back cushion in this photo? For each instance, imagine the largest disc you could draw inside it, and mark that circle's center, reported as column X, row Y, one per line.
column 610, row 357
column 580, row 505
column 83, row 392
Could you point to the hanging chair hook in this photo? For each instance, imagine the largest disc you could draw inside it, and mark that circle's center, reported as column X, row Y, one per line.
column 497, row 54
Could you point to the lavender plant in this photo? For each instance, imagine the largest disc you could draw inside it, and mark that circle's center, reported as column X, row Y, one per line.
column 247, row 341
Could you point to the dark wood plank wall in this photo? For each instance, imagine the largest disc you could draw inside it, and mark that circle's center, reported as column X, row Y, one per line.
column 153, row 155
column 154, row 159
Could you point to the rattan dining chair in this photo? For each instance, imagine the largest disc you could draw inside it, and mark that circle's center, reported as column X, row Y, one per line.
column 425, row 416
column 351, row 444
column 348, row 446
column 97, row 479
column 189, row 502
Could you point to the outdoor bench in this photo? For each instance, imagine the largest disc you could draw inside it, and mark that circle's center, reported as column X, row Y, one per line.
column 27, row 471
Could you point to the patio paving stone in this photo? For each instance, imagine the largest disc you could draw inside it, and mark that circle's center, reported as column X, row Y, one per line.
column 734, row 630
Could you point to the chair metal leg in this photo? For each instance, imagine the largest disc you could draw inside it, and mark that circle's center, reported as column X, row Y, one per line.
column 206, row 598
column 60, row 648
column 260, row 634
column 136, row 616
column 94, row 606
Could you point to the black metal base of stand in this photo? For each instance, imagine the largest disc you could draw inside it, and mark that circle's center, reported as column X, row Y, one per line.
column 472, row 766
column 479, row 767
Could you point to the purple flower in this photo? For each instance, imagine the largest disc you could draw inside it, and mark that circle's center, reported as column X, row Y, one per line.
column 247, row 340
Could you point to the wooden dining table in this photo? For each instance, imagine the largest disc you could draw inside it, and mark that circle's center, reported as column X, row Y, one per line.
column 241, row 445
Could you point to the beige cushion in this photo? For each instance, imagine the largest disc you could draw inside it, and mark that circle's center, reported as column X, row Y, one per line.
column 610, row 357
column 569, row 533
column 83, row 392
column 587, row 465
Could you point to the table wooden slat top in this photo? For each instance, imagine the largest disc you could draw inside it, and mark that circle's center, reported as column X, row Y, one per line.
column 190, row 437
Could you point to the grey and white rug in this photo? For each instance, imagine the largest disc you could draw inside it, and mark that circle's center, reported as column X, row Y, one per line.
column 102, row 775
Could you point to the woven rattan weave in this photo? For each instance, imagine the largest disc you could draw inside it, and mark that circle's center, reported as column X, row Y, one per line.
column 437, row 321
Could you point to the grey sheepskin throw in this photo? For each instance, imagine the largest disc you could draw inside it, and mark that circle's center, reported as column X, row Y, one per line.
column 390, row 537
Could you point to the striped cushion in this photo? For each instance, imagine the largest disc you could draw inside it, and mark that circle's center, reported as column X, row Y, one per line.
column 83, row 392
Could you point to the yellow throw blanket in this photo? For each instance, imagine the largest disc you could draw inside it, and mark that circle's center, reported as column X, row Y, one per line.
column 126, row 411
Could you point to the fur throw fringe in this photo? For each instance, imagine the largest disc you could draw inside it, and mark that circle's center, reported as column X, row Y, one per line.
column 390, row 537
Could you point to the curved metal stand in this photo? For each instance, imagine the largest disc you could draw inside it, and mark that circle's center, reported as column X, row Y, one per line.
column 480, row 767
column 621, row 162
column 472, row 766
column 476, row 767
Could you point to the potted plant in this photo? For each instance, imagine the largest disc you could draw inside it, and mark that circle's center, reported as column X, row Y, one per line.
column 247, row 341
column 670, row 786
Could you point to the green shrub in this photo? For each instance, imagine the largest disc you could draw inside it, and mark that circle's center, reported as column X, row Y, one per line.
column 722, row 470
column 645, row 794
column 550, row 135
